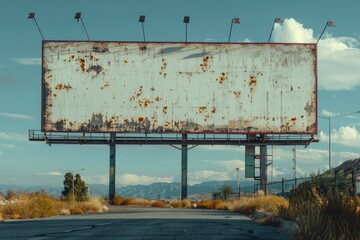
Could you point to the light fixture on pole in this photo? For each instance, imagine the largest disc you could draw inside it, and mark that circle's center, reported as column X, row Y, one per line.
column 186, row 21
column 77, row 18
column 329, row 129
column 32, row 16
column 238, row 181
column 236, row 21
column 142, row 20
column 328, row 24
column 276, row 20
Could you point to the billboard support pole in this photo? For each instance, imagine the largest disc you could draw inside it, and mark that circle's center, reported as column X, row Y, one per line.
column 112, row 167
column 184, row 160
column 263, row 167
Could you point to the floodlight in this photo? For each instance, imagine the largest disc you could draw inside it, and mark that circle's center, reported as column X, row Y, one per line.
column 186, row 19
column 32, row 16
column 234, row 20
column 328, row 24
column 78, row 17
column 142, row 18
column 276, row 20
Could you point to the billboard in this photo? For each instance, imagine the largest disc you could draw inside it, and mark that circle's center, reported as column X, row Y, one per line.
column 159, row 87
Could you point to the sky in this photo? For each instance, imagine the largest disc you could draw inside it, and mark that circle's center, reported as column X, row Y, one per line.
column 36, row 163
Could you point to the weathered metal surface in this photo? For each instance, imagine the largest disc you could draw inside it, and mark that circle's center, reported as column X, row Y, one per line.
column 179, row 87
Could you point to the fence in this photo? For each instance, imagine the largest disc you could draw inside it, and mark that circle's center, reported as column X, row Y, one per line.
column 337, row 180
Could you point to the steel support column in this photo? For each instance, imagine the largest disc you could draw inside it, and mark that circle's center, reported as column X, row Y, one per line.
column 263, row 168
column 184, row 160
column 112, row 167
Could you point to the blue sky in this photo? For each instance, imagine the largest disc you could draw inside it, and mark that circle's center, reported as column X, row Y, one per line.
column 23, row 162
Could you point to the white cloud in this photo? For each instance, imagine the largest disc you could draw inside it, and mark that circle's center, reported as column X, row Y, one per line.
column 7, row 145
column 28, row 61
column 207, row 175
column 49, row 174
column 15, row 115
column 131, row 179
column 222, row 148
column 230, row 165
column 347, row 136
column 13, row 136
column 338, row 57
column 292, row 31
column 328, row 113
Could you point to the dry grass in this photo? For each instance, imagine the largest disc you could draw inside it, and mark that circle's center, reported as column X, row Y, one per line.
column 176, row 204
column 159, row 204
column 40, row 204
column 118, row 200
column 136, row 202
column 336, row 216
column 271, row 204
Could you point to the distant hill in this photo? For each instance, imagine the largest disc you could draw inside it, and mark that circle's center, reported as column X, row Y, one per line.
column 348, row 166
column 157, row 190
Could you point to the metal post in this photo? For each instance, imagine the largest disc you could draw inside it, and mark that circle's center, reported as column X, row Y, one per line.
column 329, row 142
column 354, row 181
column 73, row 191
column 238, row 181
column 263, row 168
column 112, row 166
column 184, row 158
column 283, row 186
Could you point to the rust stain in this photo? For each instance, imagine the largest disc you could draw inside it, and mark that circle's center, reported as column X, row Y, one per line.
column 61, row 86
column 202, row 109
column 163, row 68
column 137, row 94
column 205, row 65
column 293, row 119
column 237, row 94
column 141, row 119
column 252, row 81
column 158, row 98
column 82, row 64
column 302, row 116
column 125, row 61
column 222, row 78
column 213, row 110
column 144, row 102
column 165, row 109
column 105, row 85
column 96, row 68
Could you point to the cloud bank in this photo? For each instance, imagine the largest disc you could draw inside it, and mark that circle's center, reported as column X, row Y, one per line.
column 338, row 57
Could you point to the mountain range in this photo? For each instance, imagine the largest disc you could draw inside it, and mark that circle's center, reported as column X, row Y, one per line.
column 159, row 190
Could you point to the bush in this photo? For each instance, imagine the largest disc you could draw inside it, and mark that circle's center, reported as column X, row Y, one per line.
column 335, row 217
column 136, row 202
column 271, row 204
column 176, row 204
column 158, row 204
column 118, row 200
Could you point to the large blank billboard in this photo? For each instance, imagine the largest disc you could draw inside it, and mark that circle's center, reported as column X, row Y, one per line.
column 179, row 87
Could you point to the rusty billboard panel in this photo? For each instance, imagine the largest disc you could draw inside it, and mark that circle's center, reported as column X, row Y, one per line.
column 179, row 87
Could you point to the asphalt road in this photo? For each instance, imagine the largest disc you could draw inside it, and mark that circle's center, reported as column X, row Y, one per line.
column 141, row 223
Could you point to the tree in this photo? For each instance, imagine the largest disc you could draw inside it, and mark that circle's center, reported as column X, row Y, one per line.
column 226, row 190
column 76, row 187
column 81, row 190
column 68, row 183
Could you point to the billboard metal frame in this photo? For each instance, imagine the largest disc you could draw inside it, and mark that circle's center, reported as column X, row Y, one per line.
column 183, row 139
